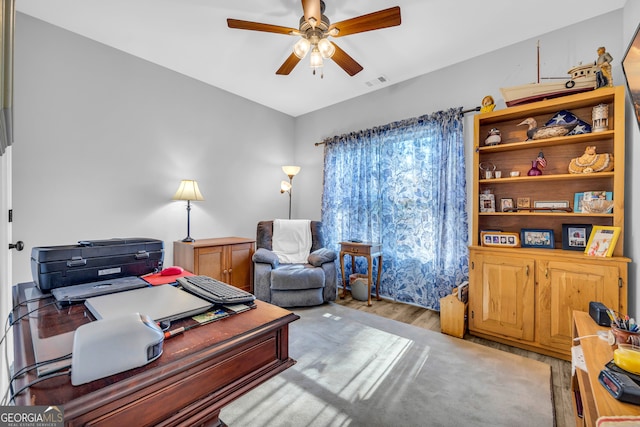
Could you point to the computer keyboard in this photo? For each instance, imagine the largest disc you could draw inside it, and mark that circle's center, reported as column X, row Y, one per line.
column 214, row 290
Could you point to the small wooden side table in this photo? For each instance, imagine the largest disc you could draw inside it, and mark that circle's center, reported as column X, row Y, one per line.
column 369, row 250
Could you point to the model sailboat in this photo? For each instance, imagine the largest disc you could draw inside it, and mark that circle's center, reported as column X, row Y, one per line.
column 582, row 79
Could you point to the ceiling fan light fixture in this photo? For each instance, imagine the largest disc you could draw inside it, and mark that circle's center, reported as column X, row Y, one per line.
column 301, row 48
column 316, row 58
column 326, row 48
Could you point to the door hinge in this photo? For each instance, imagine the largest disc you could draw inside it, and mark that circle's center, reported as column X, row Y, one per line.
column 10, row 215
column 620, row 282
column 472, row 314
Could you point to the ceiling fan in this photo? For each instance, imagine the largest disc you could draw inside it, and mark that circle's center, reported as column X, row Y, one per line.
column 314, row 31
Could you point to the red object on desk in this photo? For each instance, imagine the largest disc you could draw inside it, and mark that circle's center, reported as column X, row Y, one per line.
column 158, row 279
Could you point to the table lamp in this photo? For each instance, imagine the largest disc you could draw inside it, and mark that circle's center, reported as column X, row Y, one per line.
column 188, row 191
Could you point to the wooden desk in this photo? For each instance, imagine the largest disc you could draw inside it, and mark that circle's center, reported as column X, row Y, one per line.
column 596, row 400
column 198, row 373
column 370, row 251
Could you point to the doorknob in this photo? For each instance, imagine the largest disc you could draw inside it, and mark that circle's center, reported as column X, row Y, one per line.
column 19, row 245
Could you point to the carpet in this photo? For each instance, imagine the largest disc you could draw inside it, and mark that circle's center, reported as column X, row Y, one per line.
column 359, row 369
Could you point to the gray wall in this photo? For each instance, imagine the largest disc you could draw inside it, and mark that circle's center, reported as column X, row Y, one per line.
column 465, row 84
column 103, row 138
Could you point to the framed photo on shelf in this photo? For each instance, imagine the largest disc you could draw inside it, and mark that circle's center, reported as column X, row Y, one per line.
column 578, row 198
column 524, row 203
column 553, row 205
column 630, row 65
column 575, row 236
column 602, row 241
column 506, row 205
column 499, row 238
column 487, row 202
column 536, row 238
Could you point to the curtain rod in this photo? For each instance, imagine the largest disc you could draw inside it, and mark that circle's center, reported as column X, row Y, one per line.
column 470, row 110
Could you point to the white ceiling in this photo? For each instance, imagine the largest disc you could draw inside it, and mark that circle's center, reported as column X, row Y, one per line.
column 192, row 38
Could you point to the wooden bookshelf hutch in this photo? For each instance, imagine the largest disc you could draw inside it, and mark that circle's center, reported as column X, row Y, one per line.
column 525, row 297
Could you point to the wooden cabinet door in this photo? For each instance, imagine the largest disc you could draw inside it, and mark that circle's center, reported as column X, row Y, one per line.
column 501, row 295
column 209, row 261
column 566, row 286
column 239, row 266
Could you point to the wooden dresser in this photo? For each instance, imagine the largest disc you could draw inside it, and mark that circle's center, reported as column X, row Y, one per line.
column 227, row 259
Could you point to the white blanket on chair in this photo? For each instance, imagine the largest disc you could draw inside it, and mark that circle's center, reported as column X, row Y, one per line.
column 292, row 240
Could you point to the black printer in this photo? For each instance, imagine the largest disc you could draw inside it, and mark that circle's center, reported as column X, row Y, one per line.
column 94, row 260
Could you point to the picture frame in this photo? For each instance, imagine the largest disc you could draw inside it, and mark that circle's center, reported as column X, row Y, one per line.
column 523, row 203
column 631, row 70
column 578, row 198
column 552, row 205
column 506, row 205
column 503, row 239
column 487, row 202
column 536, row 238
column 575, row 236
column 602, row 241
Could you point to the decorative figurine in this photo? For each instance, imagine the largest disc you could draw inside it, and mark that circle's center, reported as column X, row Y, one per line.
column 494, row 137
column 600, row 117
column 538, row 163
column 543, row 132
column 603, row 69
column 591, row 162
column 488, row 104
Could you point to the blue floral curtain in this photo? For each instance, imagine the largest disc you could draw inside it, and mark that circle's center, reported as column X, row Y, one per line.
column 402, row 184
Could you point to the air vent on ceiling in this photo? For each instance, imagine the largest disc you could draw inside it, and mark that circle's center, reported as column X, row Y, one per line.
column 377, row 81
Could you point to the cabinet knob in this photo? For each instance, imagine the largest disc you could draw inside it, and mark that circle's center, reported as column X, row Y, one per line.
column 230, row 270
column 224, row 272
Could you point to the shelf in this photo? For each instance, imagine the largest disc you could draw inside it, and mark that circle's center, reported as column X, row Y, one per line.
column 552, row 106
column 554, row 177
column 540, row 143
column 566, row 214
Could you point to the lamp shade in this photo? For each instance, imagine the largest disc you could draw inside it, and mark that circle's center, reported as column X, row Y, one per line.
column 316, row 58
column 326, row 48
column 291, row 170
column 301, row 48
column 188, row 190
column 285, row 186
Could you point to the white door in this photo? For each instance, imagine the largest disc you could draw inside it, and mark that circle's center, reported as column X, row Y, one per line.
column 5, row 255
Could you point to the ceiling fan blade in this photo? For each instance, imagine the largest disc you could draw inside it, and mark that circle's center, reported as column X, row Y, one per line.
column 288, row 65
column 257, row 26
column 311, row 9
column 345, row 62
column 372, row 21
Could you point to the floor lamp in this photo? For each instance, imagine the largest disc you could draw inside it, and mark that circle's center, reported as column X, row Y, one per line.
column 285, row 187
column 188, row 191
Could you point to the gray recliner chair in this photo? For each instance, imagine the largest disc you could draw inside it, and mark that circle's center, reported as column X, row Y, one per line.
column 294, row 285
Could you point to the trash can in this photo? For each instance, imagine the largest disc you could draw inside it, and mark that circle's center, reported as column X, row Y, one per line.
column 359, row 286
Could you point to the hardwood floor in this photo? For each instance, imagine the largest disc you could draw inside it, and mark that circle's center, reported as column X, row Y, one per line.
column 428, row 319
